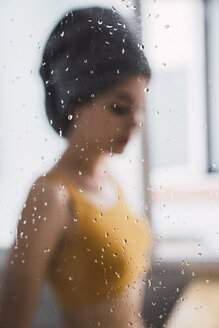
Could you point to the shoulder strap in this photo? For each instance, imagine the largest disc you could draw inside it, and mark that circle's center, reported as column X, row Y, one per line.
column 73, row 190
column 76, row 202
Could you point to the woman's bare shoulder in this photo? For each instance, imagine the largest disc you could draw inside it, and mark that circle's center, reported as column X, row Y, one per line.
column 45, row 212
column 50, row 185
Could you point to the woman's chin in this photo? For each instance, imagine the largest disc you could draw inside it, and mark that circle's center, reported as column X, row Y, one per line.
column 118, row 149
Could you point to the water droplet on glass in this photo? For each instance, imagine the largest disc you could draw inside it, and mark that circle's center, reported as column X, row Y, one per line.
column 166, row 26
column 150, row 282
column 62, row 34
column 46, row 250
column 117, row 274
column 100, row 22
column 71, row 278
column 70, row 117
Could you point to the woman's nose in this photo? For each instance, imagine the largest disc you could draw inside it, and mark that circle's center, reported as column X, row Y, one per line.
column 135, row 120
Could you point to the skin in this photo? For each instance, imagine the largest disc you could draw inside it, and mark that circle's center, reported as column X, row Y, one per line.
column 100, row 128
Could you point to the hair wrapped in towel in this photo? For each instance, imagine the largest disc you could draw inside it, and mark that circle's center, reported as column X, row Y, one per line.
column 88, row 51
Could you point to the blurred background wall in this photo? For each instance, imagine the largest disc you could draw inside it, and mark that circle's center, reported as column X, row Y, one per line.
column 182, row 118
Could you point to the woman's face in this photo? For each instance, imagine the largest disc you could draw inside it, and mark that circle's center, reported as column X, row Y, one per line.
column 110, row 120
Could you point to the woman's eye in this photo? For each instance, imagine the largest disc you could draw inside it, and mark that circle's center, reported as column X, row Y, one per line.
column 120, row 110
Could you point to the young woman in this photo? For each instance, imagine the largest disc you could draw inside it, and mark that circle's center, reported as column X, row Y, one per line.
column 76, row 230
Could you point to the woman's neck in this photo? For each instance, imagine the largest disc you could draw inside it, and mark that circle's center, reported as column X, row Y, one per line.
column 79, row 160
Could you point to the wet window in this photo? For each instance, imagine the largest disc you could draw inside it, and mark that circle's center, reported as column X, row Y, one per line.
column 109, row 206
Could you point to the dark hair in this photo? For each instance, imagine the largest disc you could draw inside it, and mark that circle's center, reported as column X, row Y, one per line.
column 88, row 51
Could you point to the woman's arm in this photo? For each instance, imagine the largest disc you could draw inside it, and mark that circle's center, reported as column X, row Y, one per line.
column 39, row 230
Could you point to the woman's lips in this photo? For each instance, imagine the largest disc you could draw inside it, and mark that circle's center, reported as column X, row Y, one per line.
column 123, row 140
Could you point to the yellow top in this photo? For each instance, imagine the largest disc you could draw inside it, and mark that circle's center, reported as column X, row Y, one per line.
column 106, row 252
